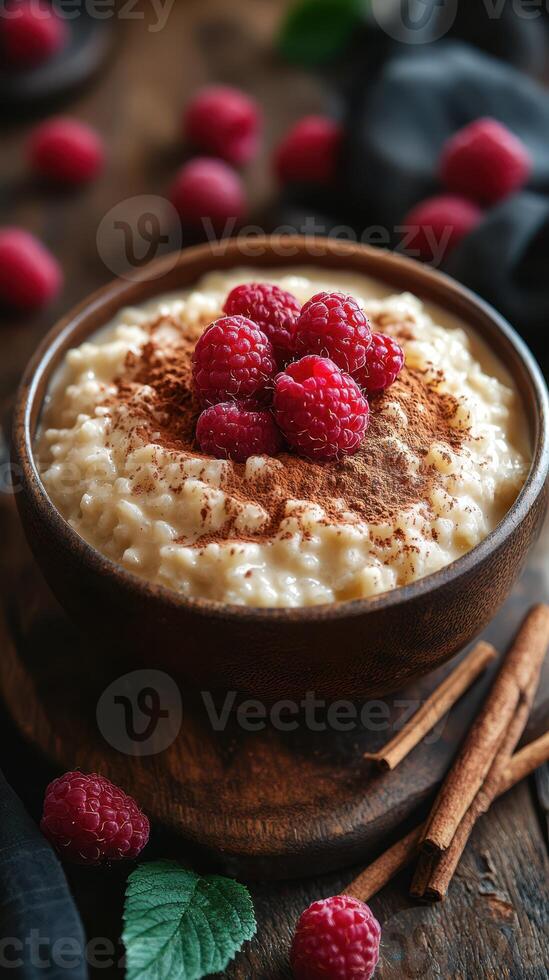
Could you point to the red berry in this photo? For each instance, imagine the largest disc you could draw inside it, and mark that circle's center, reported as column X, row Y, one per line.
column 309, row 152
column 485, row 161
column 273, row 309
column 333, row 325
column 31, row 33
column 66, row 150
column 225, row 122
column 438, row 225
column 29, row 275
column 232, row 430
column 336, row 939
column 89, row 820
column 233, row 359
column 384, row 362
column 208, row 189
column 321, row 411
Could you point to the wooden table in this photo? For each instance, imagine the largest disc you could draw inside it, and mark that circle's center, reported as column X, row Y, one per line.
column 494, row 922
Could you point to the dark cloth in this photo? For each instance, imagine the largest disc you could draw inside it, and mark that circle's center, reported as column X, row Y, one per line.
column 395, row 133
column 396, row 130
column 505, row 260
column 41, row 935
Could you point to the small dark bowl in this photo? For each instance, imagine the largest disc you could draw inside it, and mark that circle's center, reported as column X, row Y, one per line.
column 356, row 649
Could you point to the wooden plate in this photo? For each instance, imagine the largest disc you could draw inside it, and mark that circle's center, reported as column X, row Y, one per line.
column 260, row 804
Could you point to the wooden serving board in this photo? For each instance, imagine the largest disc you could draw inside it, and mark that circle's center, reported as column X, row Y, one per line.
column 259, row 804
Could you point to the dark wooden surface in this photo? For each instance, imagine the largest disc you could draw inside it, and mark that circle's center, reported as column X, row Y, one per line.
column 494, row 922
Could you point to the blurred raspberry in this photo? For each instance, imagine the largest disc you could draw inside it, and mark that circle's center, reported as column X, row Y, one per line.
column 439, row 224
column 321, row 411
column 309, row 152
column 485, row 162
column 89, row 820
column 31, row 33
column 336, row 939
column 208, row 189
column 66, row 150
column 333, row 325
column 233, row 360
column 225, row 122
column 29, row 275
column 273, row 309
column 231, row 430
column 384, row 362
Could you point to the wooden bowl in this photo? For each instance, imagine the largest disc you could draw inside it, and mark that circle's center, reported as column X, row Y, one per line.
column 356, row 649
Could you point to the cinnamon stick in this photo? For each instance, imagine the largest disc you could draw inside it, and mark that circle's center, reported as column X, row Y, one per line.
column 388, row 864
column 530, row 758
column 488, row 732
column 422, row 874
column 385, row 867
column 445, row 864
column 434, row 708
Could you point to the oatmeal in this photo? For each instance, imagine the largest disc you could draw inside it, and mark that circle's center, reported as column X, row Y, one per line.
column 444, row 457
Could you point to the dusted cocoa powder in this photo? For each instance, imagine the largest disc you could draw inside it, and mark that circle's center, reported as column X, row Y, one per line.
column 387, row 475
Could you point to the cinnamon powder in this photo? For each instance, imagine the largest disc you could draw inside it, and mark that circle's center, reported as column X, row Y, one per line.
column 387, row 475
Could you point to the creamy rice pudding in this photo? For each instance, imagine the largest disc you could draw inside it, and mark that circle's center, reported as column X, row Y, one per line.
column 445, row 456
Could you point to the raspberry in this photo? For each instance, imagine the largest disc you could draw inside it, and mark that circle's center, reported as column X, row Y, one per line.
column 336, row 939
column 334, row 326
column 235, row 431
column 89, row 820
column 233, row 359
column 485, row 161
column 384, row 362
column 66, row 150
column 225, row 122
column 29, row 275
column 438, row 225
column 309, row 152
column 321, row 411
column 31, row 34
column 273, row 309
column 208, row 189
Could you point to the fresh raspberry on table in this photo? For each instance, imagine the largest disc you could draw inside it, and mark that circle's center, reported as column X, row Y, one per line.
column 31, row 33
column 384, row 362
column 309, row 152
column 66, row 150
column 207, row 190
column 233, row 361
column 232, row 430
column 225, row 122
column 438, row 224
column 89, row 820
column 336, row 939
column 333, row 325
column 321, row 411
column 29, row 274
column 273, row 309
column 485, row 161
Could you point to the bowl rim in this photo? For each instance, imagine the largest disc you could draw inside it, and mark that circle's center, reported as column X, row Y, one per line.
column 380, row 260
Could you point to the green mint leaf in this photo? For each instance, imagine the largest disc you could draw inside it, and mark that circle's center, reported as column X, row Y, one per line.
column 316, row 31
column 181, row 926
